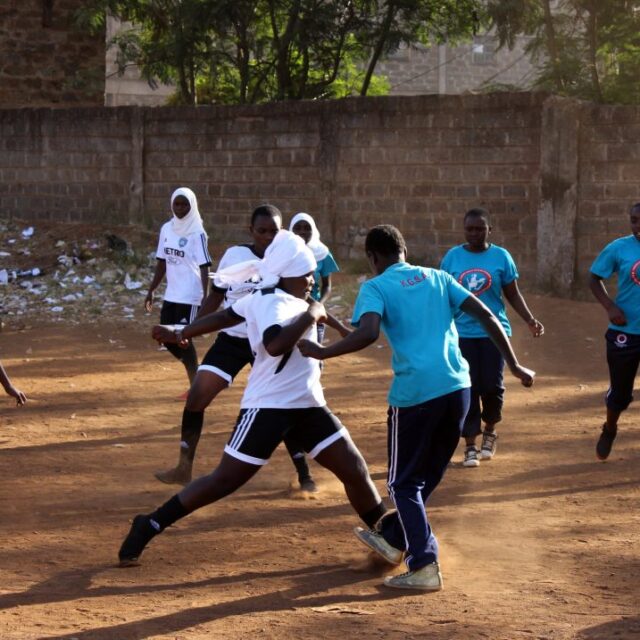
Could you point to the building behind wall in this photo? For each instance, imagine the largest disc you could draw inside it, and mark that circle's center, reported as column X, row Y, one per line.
column 476, row 66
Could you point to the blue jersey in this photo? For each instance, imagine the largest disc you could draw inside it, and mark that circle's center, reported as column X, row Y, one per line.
column 416, row 306
column 325, row 267
column 622, row 256
column 483, row 274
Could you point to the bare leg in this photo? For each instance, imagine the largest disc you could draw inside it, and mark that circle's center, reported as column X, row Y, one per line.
column 344, row 460
column 229, row 475
column 206, row 386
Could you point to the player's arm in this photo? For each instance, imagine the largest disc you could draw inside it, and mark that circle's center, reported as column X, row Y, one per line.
column 204, row 278
column 158, row 275
column 336, row 324
column 516, row 300
column 211, row 304
column 10, row 389
column 325, row 288
column 615, row 313
column 492, row 326
column 279, row 340
column 212, row 322
column 367, row 333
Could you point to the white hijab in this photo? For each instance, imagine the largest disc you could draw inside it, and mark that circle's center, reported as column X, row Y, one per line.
column 192, row 222
column 286, row 257
column 320, row 250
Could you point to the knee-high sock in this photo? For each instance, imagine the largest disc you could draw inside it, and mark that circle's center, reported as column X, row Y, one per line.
column 192, row 422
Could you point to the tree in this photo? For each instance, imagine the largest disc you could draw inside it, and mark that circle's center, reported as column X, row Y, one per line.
column 586, row 48
column 247, row 51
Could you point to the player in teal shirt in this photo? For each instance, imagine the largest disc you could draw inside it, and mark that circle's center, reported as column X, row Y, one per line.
column 488, row 272
column 415, row 307
column 622, row 257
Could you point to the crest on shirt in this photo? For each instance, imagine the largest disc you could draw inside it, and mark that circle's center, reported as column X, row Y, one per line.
column 476, row 281
column 182, row 242
column 634, row 272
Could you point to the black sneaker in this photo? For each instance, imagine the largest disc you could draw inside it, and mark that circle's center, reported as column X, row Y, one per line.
column 308, row 484
column 605, row 442
column 137, row 539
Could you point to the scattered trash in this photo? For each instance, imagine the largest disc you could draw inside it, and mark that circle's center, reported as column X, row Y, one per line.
column 4, row 276
column 28, row 232
column 131, row 284
column 4, row 254
column 57, row 309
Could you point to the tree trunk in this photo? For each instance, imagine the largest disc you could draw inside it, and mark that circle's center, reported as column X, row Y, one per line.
column 379, row 48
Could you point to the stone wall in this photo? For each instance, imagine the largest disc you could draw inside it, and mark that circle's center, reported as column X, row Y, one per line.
column 557, row 175
column 44, row 61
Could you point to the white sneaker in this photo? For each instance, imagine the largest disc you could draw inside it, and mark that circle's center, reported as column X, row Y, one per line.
column 428, row 578
column 377, row 543
column 471, row 457
column 489, row 445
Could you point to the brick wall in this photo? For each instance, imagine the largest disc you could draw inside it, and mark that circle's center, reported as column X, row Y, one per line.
column 44, row 61
column 418, row 162
column 557, row 175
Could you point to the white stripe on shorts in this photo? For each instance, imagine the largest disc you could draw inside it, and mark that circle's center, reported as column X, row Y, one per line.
column 244, row 457
column 321, row 446
column 243, row 427
column 219, row 372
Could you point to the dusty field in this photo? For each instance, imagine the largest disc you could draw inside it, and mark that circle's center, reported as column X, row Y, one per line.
column 540, row 543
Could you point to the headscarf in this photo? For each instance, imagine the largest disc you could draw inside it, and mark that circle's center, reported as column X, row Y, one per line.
column 286, row 257
column 192, row 222
column 320, row 250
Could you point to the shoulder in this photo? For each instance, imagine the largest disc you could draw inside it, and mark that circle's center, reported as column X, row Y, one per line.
column 238, row 253
column 165, row 228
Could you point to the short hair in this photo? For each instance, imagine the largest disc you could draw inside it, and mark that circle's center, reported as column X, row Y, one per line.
column 386, row 240
column 266, row 210
column 634, row 207
column 478, row 212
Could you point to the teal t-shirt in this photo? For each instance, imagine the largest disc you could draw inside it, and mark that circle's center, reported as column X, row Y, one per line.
column 483, row 274
column 622, row 256
column 416, row 306
column 325, row 267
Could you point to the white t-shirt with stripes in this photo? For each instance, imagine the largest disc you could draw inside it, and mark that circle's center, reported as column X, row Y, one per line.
column 290, row 381
column 184, row 256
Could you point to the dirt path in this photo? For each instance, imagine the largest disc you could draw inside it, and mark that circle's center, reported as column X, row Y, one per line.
column 540, row 543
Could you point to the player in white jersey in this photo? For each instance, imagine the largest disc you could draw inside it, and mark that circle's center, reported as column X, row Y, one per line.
column 182, row 256
column 283, row 396
column 229, row 354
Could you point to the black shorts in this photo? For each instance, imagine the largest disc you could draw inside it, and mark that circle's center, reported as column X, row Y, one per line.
column 227, row 356
column 258, row 432
column 178, row 313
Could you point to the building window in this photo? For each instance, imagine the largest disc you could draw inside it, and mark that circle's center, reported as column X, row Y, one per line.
column 483, row 50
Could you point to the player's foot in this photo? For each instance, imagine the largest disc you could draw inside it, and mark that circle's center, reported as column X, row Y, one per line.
column 427, row 578
column 377, row 543
column 471, row 457
column 605, row 442
column 178, row 475
column 141, row 532
column 489, row 445
column 308, row 484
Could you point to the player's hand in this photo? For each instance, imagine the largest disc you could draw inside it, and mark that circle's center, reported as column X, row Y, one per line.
column 536, row 327
column 616, row 315
column 317, row 310
column 310, row 349
column 148, row 302
column 17, row 394
column 162, row 334
column 523, row 374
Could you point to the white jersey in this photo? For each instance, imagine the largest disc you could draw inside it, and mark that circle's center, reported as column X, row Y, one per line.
column 184, row 255
column 235, row 255
column 290, row 381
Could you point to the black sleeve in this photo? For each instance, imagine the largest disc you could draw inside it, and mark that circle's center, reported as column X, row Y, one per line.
column 270, row 333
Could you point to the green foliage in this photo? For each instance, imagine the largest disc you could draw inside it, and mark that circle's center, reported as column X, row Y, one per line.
column 251, row 51
column 585, row 48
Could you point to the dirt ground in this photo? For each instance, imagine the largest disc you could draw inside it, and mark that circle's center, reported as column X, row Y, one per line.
column 542, row 542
